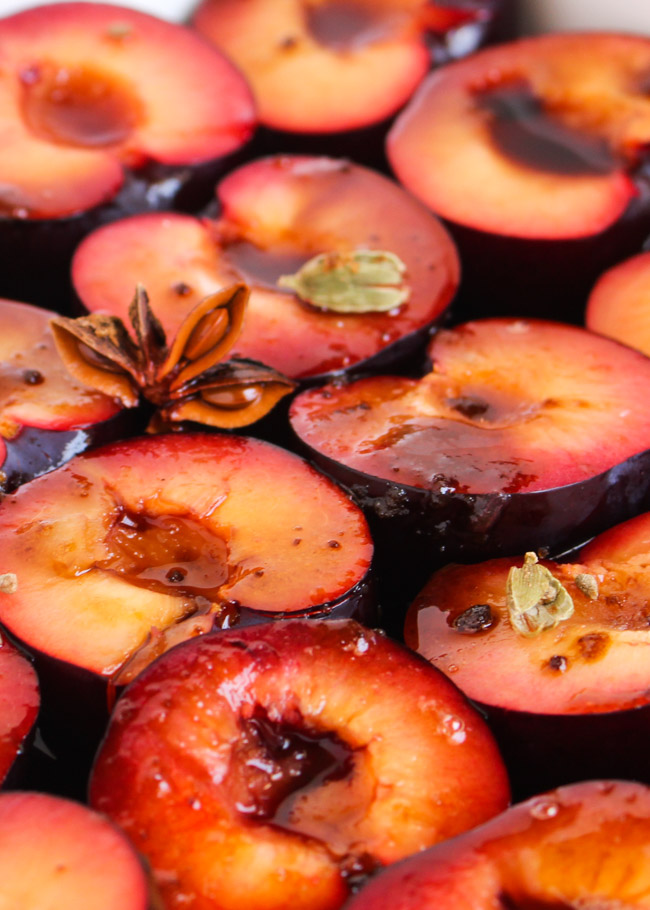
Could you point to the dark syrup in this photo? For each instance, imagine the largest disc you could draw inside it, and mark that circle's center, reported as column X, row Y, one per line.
column 294, row 761
column 169, row 554
column 528, row 134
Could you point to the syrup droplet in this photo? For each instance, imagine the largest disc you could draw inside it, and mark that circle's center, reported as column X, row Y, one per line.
column 544, row 808
column 453, row 728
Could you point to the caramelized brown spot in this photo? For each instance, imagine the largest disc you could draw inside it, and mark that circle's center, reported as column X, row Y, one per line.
column 558, row 663
column 334, row 544
column 33, row 377
column 477, row 618
column 181, row 288
column 388, row 439
column 469, row 407
column 594, row 645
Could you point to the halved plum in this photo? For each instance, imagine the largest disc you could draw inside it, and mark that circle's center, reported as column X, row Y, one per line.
column 276, row 214
column 56, row 853
column 619, row 305
column 129, row 549
column 274, row 766
column 531, row 151
column 170, row 536
column 46, row 417
column 527, row 434
column 19, row 704
column 567, row 700
column 97, row 122
column 322, row 67
column 328, row 74
column 580, row 846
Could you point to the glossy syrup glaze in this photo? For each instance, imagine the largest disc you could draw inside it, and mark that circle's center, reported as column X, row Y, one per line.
column 289, row 764
column 582, row 845
column 510, row 406
column 592, row 662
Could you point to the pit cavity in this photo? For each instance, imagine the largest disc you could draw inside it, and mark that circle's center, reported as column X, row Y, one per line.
column 345, row 24
column 530, row 135
column 289, row 767
column 80, row 106
column 170, row 554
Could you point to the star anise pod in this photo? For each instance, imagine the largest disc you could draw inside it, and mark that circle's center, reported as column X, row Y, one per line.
column 185, row 380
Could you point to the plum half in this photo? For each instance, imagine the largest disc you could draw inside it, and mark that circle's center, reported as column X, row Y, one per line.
column 46, row 417
column 55, row 853
column 274, row 766
column 275, row 215
column 619, row 304
column 96, row 123
column 19, row 703
column 534, row 152
column 329, row 74
column 171, row 536
column 586, row 845
column 567, row 700
column 526, row 434
column 134, row 547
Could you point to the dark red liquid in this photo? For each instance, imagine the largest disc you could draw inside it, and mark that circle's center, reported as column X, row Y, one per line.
column 295, row 761
column 529, row 135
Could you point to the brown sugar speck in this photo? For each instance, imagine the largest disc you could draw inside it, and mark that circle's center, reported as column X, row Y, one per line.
column 477, row 618
column 594, row 645
column 33, row 377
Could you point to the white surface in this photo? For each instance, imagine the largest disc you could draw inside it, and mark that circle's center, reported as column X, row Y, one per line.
column 175, row 10
column 538, row 15
column 563, row 15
